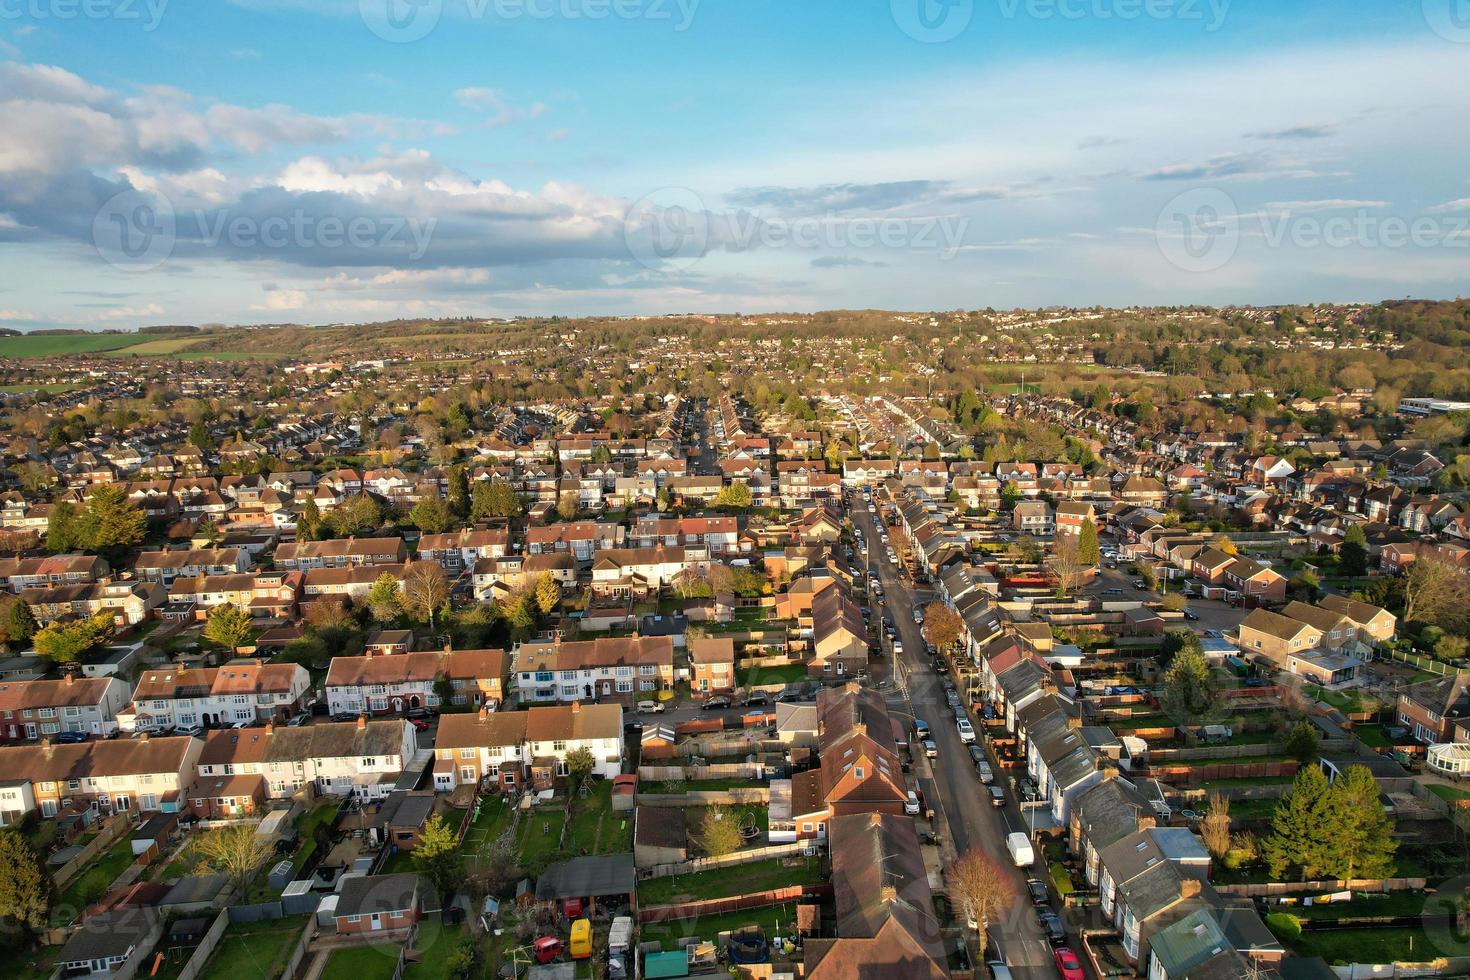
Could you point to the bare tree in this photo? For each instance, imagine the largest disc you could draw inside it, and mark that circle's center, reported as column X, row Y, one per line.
column 1067, row 564
column 1215, row 828
column 983, row 888
column 426, row 590
column 1436, row 592
column 237, row 852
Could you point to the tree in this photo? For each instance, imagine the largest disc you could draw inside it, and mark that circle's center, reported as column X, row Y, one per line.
column 385, row 598
column 27, row 892
column 228, row 626
column 328, row 612
column 431, row 515
column 20, row 622
column 66, row 642
column 983, row 888
column 201, row 435
column 495, row 499
column 457, row 496
column 580, row 763
column 1436, row 592
column 1222, row 542
column 236, row 852
column 438, row 858
column 943, row 627
column 1298, row 837
column 426, row 589
column 734, row 495
column 1010, row 495
column 63, row 532
column 1066, row 564
column 111, row 520
column 1189, row 683
column 1174, row 602
column 1215, row 828
column 1352, row 554
column 1088, row 550
column 1302, row 743
column 309, row 521
column 547, row 593
column 1362, row 833
column 567, row 506
column 719, row 831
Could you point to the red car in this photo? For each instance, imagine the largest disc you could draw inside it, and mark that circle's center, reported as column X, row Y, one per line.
column 1067, row 963
column 419, row 724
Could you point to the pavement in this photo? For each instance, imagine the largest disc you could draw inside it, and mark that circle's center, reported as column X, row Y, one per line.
column 951, row 787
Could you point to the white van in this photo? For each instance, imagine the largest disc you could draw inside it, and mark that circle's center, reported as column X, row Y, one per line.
column 1021, row 851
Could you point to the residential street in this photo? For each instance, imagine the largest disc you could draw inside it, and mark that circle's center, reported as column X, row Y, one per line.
column 961, row 801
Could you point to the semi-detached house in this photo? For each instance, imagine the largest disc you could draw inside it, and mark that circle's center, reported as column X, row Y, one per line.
column 106, row 776
column 624, row 669
column 393, row 684
column 248, row 690
column 508, row 749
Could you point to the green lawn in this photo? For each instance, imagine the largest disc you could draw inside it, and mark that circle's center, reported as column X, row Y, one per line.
column 306, row 825
column 1366, row 945
column 737, row 880
column 362, row 963
column 1372, row 736
column 58, row 345
column 27, row 965
column 94, row 881
column 1392, row 904
column 595, row 829
column 1348, row 702
column 1449, row 794
column 434, row 943
column 255, row 950
column 773, row 919
column 786, row 674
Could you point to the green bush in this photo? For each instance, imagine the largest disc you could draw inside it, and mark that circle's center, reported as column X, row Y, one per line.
column 1284, row 926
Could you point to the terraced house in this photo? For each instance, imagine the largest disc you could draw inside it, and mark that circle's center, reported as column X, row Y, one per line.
column 379, row 685
column 106, row 776
column 43, row 708
column 624, row 669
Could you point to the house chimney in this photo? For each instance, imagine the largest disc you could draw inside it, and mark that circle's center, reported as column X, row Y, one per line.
column 144, row 736
column 888, row 894
column 576, row 707
column 70, row 679
column 361, row 722
column 1189, row 888
column 270, row 726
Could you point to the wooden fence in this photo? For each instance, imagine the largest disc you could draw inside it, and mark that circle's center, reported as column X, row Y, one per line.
column 732, row 770
column 1273, row 888
column 206, row 946
column 735, row 903
column 109, row 835
column 298, row 955
column 731, row 860
column 735, row 796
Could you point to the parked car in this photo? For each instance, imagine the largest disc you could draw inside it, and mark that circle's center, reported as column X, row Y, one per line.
column 998, row 970
column 1191, row 615
column 897, row 647
column 983, row 770
column 1051, row 924
column 718, row 701
column 930, row 749
column 1038, row 891
column 193, row 731
column 298, row 720
column 921, row 729
column 650, row 707
column 997, row 797
column 1067, row 964
column 919, row 615
column 70, row 738
column 966, row 730
column 952, row 698
column 911, row 805
column 343, row 716
column 419, row 724
column 418, row 713
column 1112, row 592
column 756, row 697
column 237, row 726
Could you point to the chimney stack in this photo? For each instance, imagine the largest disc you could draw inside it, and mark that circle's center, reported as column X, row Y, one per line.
column 576, row 707
column 888, row 894
column 70, row 679
column 1189, row 888
column 361, row 722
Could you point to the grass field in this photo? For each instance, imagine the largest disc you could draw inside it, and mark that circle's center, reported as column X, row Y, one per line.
column 362, row 963
column 758, row 876
column 1366, row 945
column 1449, row 794
column 775, row 918
column 93, row 883
column 256, row 950
column 306, row 826
column 787, row 674
column 170, row 345
column 57, row 345
column 595, row 829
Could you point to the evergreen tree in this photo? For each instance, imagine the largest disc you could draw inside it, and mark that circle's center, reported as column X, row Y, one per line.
column 201, row 436
column 548, row 594
column 1088, row 551
column 111, row 520
column 1300, row 827
column 228, row 626
column 1189, row 683
column 21, row 622
column 309, row 521
column 1352, row 555
column 62, row 531
column 1301, row 743
column 26, row 890
column 430, row 515
column 458, row 494
column 1362, row 844
column 438, row 858
column 385, row 598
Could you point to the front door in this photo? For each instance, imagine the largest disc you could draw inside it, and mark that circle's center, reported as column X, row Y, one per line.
column 30, row 730
column 121, row 803
column 377, row 921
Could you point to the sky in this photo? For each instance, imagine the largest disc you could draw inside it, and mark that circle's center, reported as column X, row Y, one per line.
column 328, row 161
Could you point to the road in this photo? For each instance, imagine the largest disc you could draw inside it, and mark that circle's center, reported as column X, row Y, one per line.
column 961, row 801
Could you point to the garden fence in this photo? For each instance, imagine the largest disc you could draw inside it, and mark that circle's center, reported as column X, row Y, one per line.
column 733, row 859
column 206, row 946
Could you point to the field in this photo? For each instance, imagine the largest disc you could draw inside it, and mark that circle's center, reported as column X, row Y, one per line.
column 49, row 345
column 255, row 950
column 170, row 345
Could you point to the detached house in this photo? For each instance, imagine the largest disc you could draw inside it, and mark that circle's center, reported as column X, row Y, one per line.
column 1431, row 710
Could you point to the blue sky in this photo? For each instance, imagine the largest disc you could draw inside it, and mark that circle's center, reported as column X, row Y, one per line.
column 342, row 160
